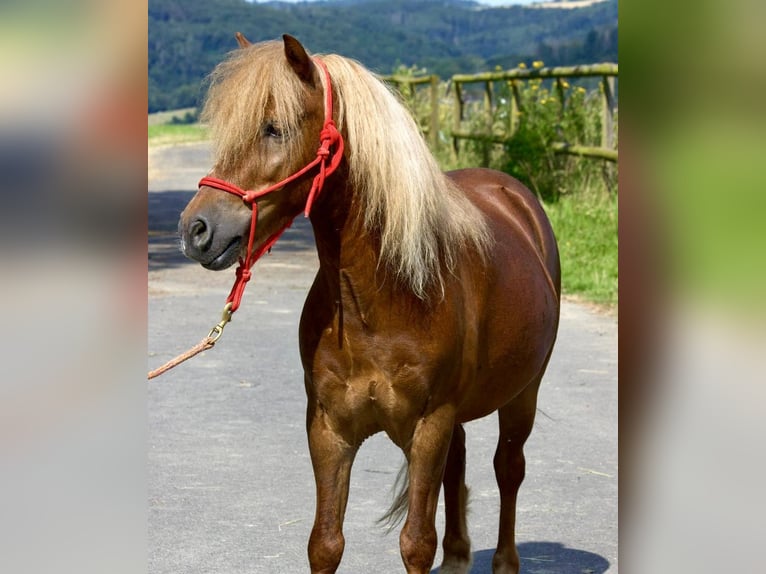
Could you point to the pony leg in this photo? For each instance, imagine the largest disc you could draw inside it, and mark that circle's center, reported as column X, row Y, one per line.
column 331, row 457
column 427, row 457
column 516, row 420
column 456, row 544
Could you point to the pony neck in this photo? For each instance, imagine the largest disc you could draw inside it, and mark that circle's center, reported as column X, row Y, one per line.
column 343, row 245
column 330, row 219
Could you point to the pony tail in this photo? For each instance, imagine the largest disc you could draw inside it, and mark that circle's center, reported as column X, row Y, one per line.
column 400, row 504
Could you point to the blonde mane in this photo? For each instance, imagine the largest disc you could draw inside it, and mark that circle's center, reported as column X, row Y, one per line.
column 424, row 221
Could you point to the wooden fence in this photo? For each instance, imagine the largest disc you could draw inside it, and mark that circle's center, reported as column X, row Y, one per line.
column 407, row 85
column 607, row 72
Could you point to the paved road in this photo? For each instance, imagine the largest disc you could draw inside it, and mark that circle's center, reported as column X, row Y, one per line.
column 230, row 482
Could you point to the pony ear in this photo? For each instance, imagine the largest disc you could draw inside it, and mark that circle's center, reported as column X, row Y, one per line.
column 299, row 60
column 242, row 41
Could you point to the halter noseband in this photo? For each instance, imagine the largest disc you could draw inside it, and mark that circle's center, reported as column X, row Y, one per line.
column 328, row 158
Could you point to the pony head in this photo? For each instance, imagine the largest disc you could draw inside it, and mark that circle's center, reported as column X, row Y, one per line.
column 265, row 110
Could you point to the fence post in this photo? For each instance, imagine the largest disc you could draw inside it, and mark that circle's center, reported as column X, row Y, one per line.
column 486, row 146
column 434, row 135
column 457, row 117
column 607, row 117
column 516, row 107
column 562, row 96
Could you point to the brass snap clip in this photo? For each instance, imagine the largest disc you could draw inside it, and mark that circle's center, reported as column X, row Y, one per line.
column 217, row 331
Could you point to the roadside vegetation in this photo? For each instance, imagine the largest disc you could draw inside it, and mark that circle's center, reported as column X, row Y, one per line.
column 175, row 127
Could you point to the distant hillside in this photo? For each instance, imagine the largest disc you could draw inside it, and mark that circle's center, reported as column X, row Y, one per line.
column 188, row 37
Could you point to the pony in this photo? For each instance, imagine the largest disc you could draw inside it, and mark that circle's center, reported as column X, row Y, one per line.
column 436, row 300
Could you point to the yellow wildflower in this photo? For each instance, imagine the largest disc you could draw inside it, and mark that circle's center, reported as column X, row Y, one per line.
column 537, row 64
column 522, row 65
column 565, row 84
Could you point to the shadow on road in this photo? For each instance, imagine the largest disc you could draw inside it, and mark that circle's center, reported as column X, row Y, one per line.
column 164, row 209
column 544, row 557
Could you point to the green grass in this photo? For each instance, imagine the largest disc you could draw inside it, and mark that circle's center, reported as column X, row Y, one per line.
column 168, row 134
column 175, row 127
column 586, row 230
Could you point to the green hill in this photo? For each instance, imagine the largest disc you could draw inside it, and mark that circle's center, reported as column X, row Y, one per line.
column 188, row 37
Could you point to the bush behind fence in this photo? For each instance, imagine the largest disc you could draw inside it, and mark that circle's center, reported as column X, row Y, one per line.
column 553, row 128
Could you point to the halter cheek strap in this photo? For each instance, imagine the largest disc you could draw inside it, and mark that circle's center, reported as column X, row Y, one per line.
column 328, row 158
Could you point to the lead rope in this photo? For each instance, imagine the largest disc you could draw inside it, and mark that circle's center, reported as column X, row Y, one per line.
column 328, row 158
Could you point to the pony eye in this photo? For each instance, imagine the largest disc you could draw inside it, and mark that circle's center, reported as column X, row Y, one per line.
column 273, row 131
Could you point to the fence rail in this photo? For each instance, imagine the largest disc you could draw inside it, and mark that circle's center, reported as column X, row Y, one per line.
column 608, row 72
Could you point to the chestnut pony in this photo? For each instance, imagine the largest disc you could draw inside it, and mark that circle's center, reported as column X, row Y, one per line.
column 436, row 301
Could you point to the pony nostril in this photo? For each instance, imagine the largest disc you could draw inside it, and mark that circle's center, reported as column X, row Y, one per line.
column 200, row 234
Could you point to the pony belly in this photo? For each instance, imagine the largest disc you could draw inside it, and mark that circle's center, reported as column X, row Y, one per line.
column 503, row 361
column 491, row 394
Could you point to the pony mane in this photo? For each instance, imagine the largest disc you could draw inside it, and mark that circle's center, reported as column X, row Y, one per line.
column 423, row 220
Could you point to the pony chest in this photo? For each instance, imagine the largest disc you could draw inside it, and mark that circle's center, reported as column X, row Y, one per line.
column 375, row 362
column 371, row 384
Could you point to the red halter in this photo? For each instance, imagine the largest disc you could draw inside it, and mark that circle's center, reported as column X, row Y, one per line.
column 327, row 159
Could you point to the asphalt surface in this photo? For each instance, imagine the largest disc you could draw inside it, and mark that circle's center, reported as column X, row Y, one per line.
column 229, row 477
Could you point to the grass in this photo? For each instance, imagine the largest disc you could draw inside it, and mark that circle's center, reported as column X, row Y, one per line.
column 170, row 134
column 586, row 229
column 175, row 127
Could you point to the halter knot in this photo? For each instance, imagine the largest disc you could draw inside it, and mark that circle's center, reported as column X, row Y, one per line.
column 328, row 137
column 243, row 273
column 249, row 197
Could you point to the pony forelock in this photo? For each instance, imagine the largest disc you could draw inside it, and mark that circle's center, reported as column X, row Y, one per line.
column 251, row 84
